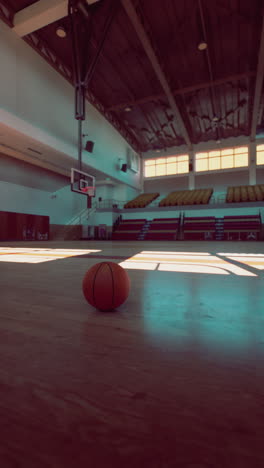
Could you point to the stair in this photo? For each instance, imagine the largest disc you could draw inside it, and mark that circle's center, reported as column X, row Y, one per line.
column 219, row 229
column 73, row 229
column 155, row 203
column 144, row 230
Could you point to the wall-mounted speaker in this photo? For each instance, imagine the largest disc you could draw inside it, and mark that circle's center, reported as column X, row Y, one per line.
column 190, row 167
column 89, row 146
column 124, row 167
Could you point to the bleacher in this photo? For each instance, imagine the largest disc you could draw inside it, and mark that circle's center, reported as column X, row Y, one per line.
column 193, row 228
column 202, row 228
column 163, row 229
column 128, row 229
column 141, row 201
column 187, row 197
column 245, row 193
column 242, row 227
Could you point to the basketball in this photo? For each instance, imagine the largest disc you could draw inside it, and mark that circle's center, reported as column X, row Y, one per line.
column 106, row 286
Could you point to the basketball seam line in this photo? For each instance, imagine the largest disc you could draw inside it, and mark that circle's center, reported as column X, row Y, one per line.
column 94, row 283
column 113, row 288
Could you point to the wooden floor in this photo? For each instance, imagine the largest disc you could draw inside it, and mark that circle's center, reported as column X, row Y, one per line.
column 173, row 379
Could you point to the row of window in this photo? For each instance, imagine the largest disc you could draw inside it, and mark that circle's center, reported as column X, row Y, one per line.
column 167, row 166
column 228, row 158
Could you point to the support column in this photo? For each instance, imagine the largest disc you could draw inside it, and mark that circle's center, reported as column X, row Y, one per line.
column 252, row 155
column 191, row 171
column 141, row 165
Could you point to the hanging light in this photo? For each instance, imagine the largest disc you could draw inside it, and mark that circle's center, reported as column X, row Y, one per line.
column 60, row 31
column 202, row 45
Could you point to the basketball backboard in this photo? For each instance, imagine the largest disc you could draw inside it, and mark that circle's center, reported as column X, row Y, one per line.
column 83, row 183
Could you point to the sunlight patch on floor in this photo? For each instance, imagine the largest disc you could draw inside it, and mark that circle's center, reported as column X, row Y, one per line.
column 254, row 261
column 39, row 255
column 190, row 262
column 193, row 269
column 138, row 265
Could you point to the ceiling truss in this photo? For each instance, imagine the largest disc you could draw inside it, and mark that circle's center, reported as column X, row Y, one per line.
column 40, row 14
column 145, row 41
column 245, row 118
column 6, row 13
column 181, row 91
column 258, row 85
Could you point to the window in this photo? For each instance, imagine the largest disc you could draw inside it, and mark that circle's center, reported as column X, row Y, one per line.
column 167, row 166
column 260, row 154
column 241, row 156
column 161, row 166
column 172, row 165
column 150, row 169
column 222, row 159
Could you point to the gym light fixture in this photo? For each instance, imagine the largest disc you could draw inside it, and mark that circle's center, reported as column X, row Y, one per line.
column 60, row 31
column 202, row 45
column 215, row 118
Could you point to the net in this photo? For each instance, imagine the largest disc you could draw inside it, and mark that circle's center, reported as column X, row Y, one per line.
column 88, row 190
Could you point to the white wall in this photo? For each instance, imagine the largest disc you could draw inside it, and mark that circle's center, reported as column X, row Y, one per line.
column 25, row 188
column 122, row 193
column 102, row 218
column 221, row 180
column 21, row 199
column 166, row 185
column 260, row 175
column 218, row 180
column 36, row 100
column 218, row 213
column 23, row 173
column 117, row 192
column 221, row 212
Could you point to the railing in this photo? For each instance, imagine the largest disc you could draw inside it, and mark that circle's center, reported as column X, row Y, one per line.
column 117, row 204
column 78, row 218
column 220, row 198
column 110, row 204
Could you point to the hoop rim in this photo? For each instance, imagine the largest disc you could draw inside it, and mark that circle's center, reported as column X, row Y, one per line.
column 89, row 190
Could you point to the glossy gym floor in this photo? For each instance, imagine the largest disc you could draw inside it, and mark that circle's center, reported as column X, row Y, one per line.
column 173, row 378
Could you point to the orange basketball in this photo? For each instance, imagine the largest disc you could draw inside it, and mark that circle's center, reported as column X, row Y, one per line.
column 106, row 285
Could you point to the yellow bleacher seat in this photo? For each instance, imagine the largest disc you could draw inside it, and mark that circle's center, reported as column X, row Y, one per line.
column 245, row 193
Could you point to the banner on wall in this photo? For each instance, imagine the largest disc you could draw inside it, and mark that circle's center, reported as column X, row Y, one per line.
column 132, row 160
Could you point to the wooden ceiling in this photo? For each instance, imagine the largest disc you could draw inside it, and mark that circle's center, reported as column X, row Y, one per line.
column 152, row 82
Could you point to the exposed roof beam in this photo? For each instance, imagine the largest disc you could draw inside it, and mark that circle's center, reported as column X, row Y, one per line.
column 6, row 13
column 40, row 14
column 258, row 85
column 131, row 12
column 209, row 64
column 181, row 91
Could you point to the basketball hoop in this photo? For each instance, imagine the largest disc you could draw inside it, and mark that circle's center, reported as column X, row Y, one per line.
column 88, row 190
